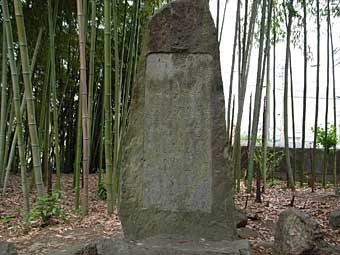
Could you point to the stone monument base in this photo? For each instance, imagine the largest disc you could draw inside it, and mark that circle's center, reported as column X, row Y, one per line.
column 164, row 245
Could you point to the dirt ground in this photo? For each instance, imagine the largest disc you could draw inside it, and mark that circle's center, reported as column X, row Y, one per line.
column 262, row 217
column 76, row 230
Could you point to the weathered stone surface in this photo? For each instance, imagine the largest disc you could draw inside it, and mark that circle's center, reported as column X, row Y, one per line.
column 86, row 249
column 246, row 233
column 165, row 245
column 337, row 192
column 177, row 137
column 334, row 219
column 297, row 233
column 7, row 248
column 241, row 218
column 176, row 174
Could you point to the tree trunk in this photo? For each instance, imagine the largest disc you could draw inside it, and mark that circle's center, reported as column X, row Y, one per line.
column 317, row 94
column 16, row 100
column 232, row 72
column 293, row 115
column 117, row 105
column 287, row 154
column 83, row 85
column 258, row 97
column 302, row 173
column 91, row 76
column 326, row 150
column 274, row 99
column 334, row 104
column 4, row 98
column 107, row 104
column 243, row 87
column 29, row 96
column 267, row 97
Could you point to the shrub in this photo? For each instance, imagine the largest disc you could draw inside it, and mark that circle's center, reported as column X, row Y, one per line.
column 101, row 190
column 47, row 211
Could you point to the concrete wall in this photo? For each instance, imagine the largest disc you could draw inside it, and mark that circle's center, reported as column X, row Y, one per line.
column 281, row 171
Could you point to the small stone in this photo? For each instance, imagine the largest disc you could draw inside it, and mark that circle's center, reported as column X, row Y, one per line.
column 246, row 233
column 337, row 192
column 297, row 233
column 334, row 219
column 265, row 244
column 7, row 248
column 241, row 218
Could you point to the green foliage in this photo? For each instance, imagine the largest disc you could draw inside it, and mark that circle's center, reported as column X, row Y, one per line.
column 273, row 159
column 327, row 141
column 5, row 218
column 101, row 190
column 47, row 211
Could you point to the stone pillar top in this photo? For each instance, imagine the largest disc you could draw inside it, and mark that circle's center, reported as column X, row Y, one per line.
column 182, row 26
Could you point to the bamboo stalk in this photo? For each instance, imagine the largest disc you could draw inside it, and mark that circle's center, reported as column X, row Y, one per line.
column 85, row 190
column 117, row 105
column 16, row 100
column 317, row 94
column 334, row 105
column 302, row 173
column 78, row 155
column 243, row 86
column 285, row 108
column 107, row 105
column 237, row 20
column 4, row 98
column 132, row 60
column 91, row 75
column 293, row 115
column 29, row 96
column 326, row 149
column 258, row 96
column 51, row 28
column 267, row 96
column 8, row 134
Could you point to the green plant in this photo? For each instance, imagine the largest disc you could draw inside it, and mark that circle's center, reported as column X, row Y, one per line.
column 328, row 141
column 5, row 218
column 47, row 211
column 101, row 190
column 273, row 160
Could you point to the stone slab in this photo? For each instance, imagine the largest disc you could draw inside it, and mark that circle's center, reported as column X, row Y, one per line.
column 165, row 245
column 177, row 139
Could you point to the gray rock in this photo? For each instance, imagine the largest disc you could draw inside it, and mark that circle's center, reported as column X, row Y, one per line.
column 87, row 249
column 176, row 171
column 337, row 192
column 165, row 245
column 297, row 233
column 334, row 219
column 246, row 233
column 241, row 218
column 267, row 245
column 7, row 248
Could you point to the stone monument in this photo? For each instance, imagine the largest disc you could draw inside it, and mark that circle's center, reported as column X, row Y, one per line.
column 176, row 184
column 176, row 176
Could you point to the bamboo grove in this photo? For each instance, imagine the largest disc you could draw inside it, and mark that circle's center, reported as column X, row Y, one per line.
column 267, row 23
column 66, row 75
column 64, row 105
